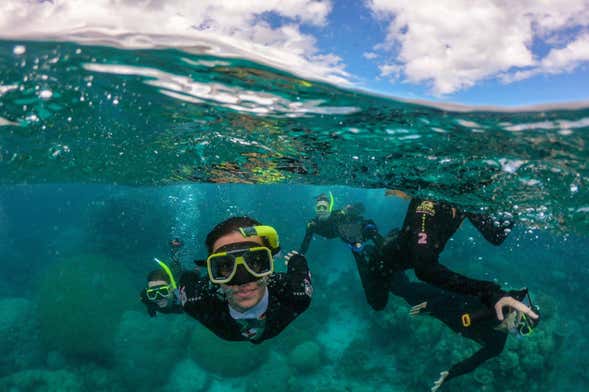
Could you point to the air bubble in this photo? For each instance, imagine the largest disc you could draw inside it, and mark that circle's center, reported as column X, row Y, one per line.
column 19, row 50
column 45, row 94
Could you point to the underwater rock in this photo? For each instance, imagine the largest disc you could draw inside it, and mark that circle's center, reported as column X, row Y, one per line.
column 355, row 361
column 98, row 379
column 187, row 377
column 80, row 303
column 229, row 359
column 272, row 376
column 306, row 357
column 147, row 348
column 42, row 380
column 19, row 341
column 288, row 339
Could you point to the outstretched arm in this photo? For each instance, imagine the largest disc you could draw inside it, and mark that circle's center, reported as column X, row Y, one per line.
column 493, row 230
column 493, row 347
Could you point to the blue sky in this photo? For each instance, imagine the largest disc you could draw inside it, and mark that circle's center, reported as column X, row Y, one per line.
column 352, row 30
column 479, row 52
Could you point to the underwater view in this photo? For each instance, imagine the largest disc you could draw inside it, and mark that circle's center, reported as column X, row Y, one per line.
column 111, row 157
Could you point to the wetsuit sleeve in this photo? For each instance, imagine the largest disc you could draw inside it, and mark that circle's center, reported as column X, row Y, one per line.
column 195, row 295
column 298, row 279
column 308, row 237
column 491, row 348
column 494, row 232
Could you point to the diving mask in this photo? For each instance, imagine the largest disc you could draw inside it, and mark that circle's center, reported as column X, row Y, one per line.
column 525, row 325
column 244, row 261
column 163, row 291
column 321, row 208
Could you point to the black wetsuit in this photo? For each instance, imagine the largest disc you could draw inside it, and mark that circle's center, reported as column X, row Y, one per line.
column 449, row 308
column 354, row 230
column 427, row 228
column 345, row 224
column 289, row 295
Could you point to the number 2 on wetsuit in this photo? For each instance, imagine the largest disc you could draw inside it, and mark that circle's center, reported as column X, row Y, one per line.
column 422, row 240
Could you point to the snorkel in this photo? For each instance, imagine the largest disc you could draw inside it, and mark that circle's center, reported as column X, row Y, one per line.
column 168, row 272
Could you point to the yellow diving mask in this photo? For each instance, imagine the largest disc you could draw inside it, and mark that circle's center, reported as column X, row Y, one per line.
column 256, row 262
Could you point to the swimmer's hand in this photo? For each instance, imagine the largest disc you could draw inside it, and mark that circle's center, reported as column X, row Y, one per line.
column 511, row 302
column 417, row 309
column 438, row 383
column 290, row 255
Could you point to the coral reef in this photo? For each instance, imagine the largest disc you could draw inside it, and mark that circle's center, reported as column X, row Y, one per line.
column 272, row 376
column 187, row 377
column 80, row 303
column 230, row 359
column 19, row 335
column 42, row 380
column 147, row 348
column 306, row 357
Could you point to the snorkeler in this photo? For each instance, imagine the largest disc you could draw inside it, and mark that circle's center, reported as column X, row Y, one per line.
column 346, row 223
column 426, row 229
column 359, row 234
column 468, row 317
column 242, row 298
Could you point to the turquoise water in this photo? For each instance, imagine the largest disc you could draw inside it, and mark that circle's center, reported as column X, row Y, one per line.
column 106, row 154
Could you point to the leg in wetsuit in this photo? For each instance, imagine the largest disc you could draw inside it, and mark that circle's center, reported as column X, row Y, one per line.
column 449, row 308
column 426, row 229
column 375, row 273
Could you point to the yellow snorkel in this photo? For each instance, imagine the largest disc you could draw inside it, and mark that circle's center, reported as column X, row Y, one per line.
column 330, row 202
column 168, row 272
column 267, row 233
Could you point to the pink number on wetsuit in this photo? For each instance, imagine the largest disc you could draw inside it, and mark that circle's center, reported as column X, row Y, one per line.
column 422, row 238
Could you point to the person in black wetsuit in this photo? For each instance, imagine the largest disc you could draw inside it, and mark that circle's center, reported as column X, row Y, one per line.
column 242, row 298
column 358, row 233
column 466, row 315
column 469, row 317
column 426, row 229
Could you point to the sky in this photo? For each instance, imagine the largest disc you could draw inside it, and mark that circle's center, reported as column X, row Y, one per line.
column 474, row 52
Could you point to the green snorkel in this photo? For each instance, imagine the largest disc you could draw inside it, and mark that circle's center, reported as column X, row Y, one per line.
column 331, row 202
column 168, row 272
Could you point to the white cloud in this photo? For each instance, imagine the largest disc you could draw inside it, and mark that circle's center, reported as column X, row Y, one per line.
column 557, row 60
column 390, row 70
column 225, row 28
column 455, row 44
